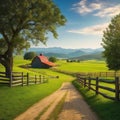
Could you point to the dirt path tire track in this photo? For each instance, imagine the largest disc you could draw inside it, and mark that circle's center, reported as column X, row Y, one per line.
column 39, row 107
column 75, row 108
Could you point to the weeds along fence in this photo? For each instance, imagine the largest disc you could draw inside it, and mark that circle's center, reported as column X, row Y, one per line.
column 108, row 88
column 19, row 78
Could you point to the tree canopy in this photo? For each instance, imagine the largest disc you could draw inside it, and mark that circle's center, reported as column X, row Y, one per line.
column 111, row 44
column 52, row 59
column 29, row 55
column 23, row 22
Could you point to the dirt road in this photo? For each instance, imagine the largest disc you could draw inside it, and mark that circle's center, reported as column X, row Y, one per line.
column 74, row 108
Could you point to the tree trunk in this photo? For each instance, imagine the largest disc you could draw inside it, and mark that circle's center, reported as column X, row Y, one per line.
column 9, row 66
column 7, row 61
column 8, row 70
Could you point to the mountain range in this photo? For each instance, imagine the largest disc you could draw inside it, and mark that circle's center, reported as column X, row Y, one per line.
column 82, row 53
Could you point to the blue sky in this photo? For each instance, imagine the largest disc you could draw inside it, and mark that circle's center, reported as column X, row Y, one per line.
column 86, row 20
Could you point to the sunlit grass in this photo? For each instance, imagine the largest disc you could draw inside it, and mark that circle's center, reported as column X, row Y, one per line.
column 83, row 66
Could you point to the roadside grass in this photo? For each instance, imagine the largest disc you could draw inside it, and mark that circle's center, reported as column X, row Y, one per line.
column 106, row 109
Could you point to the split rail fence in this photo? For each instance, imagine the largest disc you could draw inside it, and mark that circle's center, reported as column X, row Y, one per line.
column 107, row 87
column 19, row 78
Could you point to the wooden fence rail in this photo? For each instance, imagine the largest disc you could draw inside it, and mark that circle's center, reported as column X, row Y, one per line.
column 3, row 79
column 20, row 78
column 97, row 84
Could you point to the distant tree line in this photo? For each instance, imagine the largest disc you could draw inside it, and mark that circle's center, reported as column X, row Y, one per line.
column 69, row 60
column 52, row 59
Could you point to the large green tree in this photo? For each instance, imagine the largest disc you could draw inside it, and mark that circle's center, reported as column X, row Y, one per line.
column 111, row 44
column 23, row 22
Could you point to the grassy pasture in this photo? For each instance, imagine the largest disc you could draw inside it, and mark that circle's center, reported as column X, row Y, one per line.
column 83, row 66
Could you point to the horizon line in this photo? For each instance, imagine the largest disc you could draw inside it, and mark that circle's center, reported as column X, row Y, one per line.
column 66, row 48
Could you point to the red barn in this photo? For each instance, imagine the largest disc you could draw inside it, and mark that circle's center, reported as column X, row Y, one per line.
column 41, row 62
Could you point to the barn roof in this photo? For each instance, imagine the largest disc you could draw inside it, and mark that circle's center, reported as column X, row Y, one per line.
column 45, row 60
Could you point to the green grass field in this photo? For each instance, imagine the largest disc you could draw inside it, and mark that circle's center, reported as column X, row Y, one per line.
column 83, row 66
column 16, row 100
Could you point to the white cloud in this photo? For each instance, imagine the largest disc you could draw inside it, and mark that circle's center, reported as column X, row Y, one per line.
column 92, row 30
column 83, row 8
column 110, row 11
column 100, row 9
column 96, row 6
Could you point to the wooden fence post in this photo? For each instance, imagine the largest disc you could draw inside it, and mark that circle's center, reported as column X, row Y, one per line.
column 78, row 78
column 97, row 81
column 117, row 88
column 106, row 74
column 35, row 79
column 22, row 79
column 100, row 74
column 40, row 78
column 27, row 79
column 43, row 79
column 84, row 79
column 11, row 78
column 89, row 83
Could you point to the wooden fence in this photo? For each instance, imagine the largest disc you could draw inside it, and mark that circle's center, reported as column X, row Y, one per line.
column 3, row 79
column 101, row 86
column 19, row 78
column 93, row 74
column 100, row 74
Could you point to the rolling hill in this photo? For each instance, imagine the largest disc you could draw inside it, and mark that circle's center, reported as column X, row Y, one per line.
column 82, row 53
column 96, row 56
